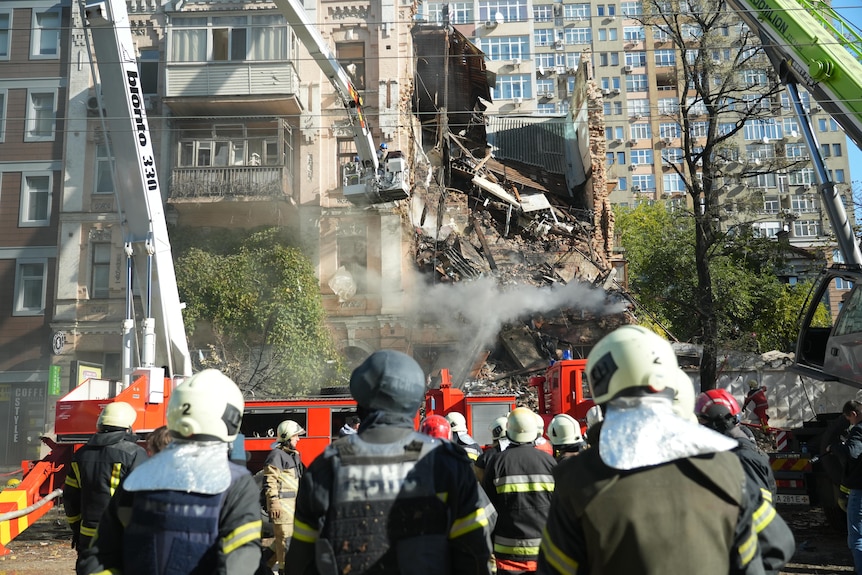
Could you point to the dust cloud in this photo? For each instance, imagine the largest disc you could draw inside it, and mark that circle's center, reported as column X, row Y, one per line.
column 475, row 311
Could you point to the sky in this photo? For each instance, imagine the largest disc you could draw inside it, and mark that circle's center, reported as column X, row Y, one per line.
column 851, row 10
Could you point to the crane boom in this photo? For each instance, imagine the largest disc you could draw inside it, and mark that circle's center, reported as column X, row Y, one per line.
column 807, row 49
column 365, row 180
column 137, row 191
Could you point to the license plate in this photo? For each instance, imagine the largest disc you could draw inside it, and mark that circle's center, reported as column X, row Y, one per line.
column 792, row 499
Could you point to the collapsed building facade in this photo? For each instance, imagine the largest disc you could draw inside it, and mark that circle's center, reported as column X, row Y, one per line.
column 520, row 198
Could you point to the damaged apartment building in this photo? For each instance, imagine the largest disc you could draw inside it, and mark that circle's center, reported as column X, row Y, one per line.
column 519, row 198
column 249, row 132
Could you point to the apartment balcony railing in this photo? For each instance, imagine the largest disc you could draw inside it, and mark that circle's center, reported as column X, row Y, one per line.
column 221, row 182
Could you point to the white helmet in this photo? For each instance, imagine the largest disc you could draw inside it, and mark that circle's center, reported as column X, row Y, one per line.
column 207, row 406
column 287, row 429
column 627, row 358
column 498, row 428
column 457, row 422
column 117, row 414
column 565, row 430
column 594, row 416
column 683, row 396
column 521, row 425
column 540, row 424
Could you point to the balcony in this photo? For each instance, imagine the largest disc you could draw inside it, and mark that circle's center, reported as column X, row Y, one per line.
column 217, row 88
column 229, row 182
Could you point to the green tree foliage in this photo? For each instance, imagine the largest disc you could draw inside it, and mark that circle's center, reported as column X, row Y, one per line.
column 258, row 298
column 754, row 310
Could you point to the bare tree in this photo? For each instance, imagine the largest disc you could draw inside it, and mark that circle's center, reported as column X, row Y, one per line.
column 728, row 92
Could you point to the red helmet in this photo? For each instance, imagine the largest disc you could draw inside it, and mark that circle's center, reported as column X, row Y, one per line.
column 717, row 406
column 436, row 426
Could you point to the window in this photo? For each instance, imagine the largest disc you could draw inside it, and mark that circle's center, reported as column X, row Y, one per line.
column 351, row 56
column 229, row 38
column 640, row 157
column 5, row 34
column 665, row 57
column 546, row 108
column 512, row 10
column 2, row 115
column 646, row 182
column 511, row 86
column 578, row 36
column 798, row 151
column 633, row 33
column 631, row 8
column 639, row 107
column 229, row 145
column 637, row 83
column 104, row 179
column 459, row 12
column 668, row 130
column 35, row 209
column 767, row 229
column 576, row 11
column 806, row 228
column 636, row 59
column 30, row 284
column 641, row 131
column 101, row 270
column 41, row 116
column 543, row 13
column 543, row 37
column 673, row 184
column 671, row 155
column 668, row 106
column 148, row 65
column 508, row 48
column 45, row 34
column 843, row 284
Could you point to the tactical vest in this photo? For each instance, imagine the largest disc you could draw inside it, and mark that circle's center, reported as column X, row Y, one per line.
column 173, row 532
column 384, row 515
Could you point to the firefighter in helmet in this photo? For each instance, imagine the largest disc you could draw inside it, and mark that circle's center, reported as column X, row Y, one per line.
column 389, row 499
column 436, row 426
column 281, row 473
column 458, row 423
column 498, row 444
column 541, row 443
column 756, row 396
column 187, row 509
column 98, row 468
column 657, row 481
column 566, row 437
column 718, row 410
column 520, row 483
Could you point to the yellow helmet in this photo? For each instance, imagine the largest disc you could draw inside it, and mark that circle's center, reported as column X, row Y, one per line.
column 13, row 483
column 117, row 414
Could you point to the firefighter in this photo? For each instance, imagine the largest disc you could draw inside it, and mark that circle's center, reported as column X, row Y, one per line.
column 659, row 494
column 282, row 471
column 389, row 499
column 566, row 437
column 436, row 426
column 541, row 443
column 460, row 436
column 498, row 444
column 520, row 484
column 850, row 450
column 595, row 415
column 756, row 396
column 187, row 509
column 98, row 468
column 718, row 410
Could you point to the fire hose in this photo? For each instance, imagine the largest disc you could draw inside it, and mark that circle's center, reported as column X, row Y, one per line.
column 27, row 510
